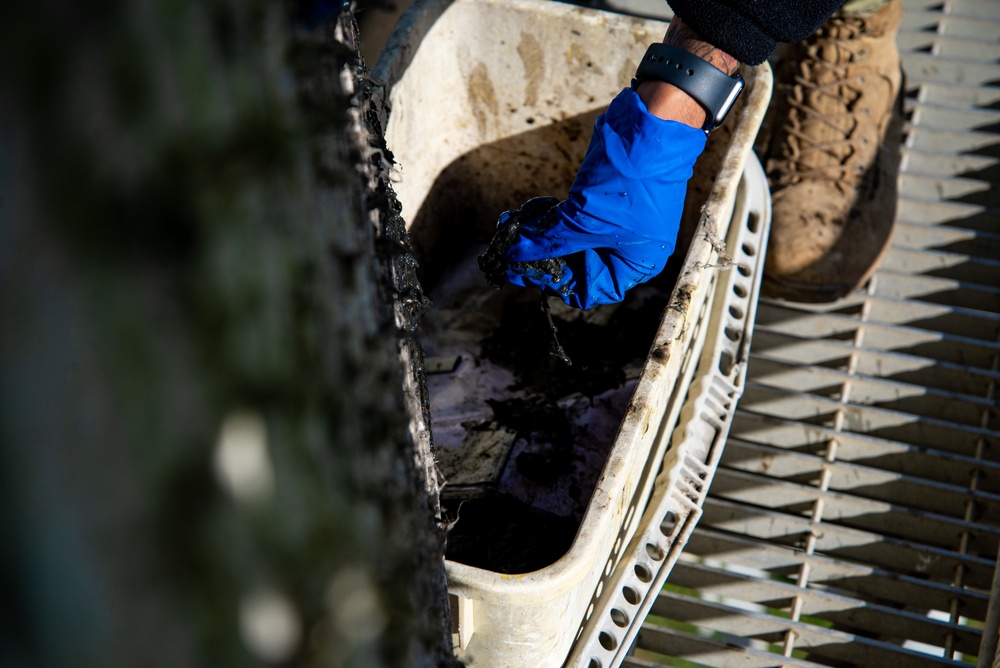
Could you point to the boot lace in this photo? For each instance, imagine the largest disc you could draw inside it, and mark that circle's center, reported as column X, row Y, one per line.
column 826, row 62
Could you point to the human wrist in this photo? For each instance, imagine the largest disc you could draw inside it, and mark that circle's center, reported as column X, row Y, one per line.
column 681, row 35
column 670, row 102
column 667, row 101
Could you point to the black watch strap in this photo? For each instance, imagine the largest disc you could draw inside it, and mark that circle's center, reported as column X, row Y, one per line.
column 715, row 90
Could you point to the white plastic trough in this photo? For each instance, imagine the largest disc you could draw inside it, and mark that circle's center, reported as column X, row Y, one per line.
column 467, row 74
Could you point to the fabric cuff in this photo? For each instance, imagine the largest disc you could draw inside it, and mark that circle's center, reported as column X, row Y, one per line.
column 750, row 30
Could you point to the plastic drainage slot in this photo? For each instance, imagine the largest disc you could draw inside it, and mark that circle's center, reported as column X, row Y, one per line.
column 690, row 463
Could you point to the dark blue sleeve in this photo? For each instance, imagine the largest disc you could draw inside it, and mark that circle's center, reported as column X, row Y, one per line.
column 312, row 13
column 749, row 30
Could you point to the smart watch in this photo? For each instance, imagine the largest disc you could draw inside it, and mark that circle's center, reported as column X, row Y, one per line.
column 713, row 89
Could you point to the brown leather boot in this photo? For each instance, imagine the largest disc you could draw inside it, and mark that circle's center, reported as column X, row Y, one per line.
column 833, row 158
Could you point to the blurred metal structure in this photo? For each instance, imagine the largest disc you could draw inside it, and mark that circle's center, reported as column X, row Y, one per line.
column 855, row 517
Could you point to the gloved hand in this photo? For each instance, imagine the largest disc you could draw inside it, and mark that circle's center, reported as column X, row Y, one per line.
column 619, row 224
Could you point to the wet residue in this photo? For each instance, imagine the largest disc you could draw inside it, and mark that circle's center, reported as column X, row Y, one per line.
column 556, row 350
column 553, row 382
column 564, row 416
column 542, row 213
column 602, row 345
column 501, row 534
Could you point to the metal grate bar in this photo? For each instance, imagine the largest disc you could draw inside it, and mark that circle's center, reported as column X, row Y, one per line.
column 905, row 368
column 923, row 342
column 956, row 96
column 981, row 50
column 953, row 214
column 940, row 318
column 863, row 482
column 950, row 265
column 863, row 581
column 703, row 650
column 911, row 398
column 932, row 68
column 822, row 643
column 926, row 431
column 866, row 547
column 937, row 117
column 849, row 511
column 972, row 191
column 822, row 606
column 934, row 139
column 939, row 290
column 970, row 8
column 880, row 453
column 969, row 27
column 945, row 164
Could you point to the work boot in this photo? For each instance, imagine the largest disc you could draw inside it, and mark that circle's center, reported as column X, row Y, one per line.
column 833, row 157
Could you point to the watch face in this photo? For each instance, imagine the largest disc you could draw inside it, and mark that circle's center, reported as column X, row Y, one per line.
column 734, row 93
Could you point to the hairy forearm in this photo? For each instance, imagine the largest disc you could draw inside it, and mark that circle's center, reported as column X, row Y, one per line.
column 681, row 35
column 670, row 102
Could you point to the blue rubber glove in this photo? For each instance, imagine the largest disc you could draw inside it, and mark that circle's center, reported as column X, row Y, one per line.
column 619, row 224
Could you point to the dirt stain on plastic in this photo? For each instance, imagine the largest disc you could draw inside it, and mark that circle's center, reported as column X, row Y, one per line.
column 482, row 97
column 533, row 59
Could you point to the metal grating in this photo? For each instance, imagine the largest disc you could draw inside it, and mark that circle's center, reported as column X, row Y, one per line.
column 855, row 517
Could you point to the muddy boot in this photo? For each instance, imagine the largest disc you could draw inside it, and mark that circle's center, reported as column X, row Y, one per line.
column 833, row 158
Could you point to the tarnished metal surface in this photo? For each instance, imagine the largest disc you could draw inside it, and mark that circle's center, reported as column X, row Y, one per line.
column 855, row 516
